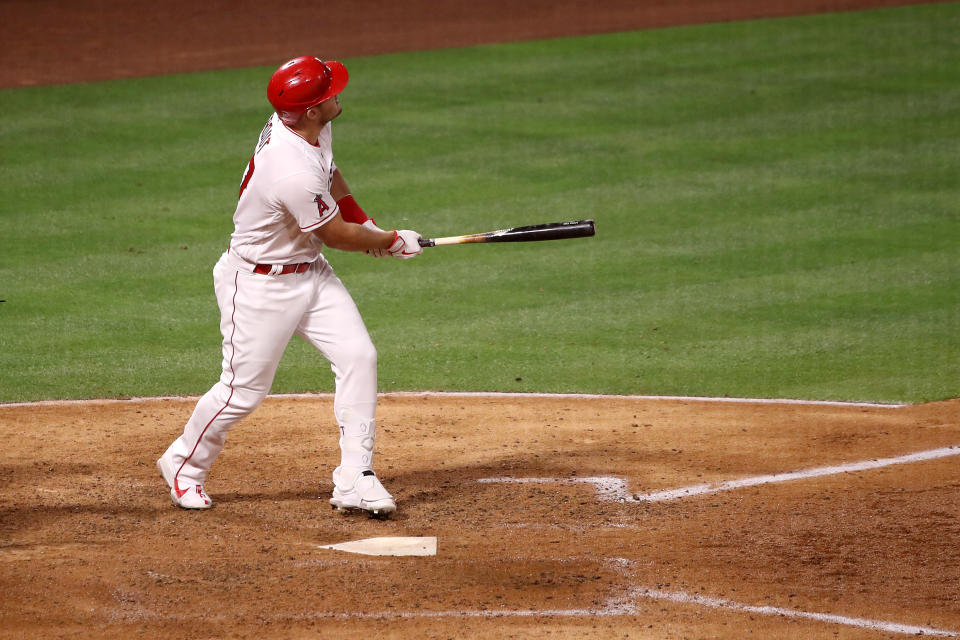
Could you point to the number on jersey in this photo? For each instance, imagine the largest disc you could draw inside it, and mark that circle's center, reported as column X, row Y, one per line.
column 264, row 141
column 246, row 177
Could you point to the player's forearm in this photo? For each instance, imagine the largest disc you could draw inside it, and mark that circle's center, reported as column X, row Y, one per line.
column 347, row 236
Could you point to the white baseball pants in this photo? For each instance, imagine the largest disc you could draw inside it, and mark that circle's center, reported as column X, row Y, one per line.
column 258, row 316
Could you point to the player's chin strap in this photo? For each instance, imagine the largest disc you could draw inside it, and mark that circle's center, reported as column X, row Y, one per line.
column 356, row 441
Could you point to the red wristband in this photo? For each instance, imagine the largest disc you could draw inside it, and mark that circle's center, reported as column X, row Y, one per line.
column 350, row 210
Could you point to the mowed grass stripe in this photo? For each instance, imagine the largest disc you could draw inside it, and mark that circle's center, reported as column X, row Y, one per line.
column 775, row 203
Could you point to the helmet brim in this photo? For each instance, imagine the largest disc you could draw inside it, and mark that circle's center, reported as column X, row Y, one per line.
column 338, row 80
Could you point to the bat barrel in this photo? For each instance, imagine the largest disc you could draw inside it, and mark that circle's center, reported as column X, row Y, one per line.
column 550, row 231
column 531, row 233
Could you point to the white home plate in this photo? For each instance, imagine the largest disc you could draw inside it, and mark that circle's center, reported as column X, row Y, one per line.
column 389, row 546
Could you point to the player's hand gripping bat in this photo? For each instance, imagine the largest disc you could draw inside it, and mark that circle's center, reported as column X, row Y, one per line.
column 549, row 231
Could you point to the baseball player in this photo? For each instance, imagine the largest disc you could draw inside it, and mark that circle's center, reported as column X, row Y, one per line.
column 274, row 282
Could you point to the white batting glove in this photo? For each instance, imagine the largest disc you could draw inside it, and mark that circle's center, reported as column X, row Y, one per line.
column 406, row 244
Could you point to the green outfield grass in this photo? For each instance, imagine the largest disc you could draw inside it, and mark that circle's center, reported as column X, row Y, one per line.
column 776, row 203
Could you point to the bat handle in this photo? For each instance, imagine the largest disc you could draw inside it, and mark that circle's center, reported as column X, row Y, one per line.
column 427, row 242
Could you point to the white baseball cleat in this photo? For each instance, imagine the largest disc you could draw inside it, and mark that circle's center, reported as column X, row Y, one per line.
column 187, row 497
column 363, row 491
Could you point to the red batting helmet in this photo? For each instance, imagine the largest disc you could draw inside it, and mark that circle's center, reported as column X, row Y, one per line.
column 302, row 83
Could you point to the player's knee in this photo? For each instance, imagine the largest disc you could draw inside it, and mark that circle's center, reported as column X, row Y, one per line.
column 356, row 359
column 355, row 355
column 245, row 400
column 365, row 354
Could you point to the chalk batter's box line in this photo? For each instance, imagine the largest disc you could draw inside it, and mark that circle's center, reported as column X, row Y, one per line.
column 626, row 606
column 483, row 394
column 609, row 488
column 615, row 489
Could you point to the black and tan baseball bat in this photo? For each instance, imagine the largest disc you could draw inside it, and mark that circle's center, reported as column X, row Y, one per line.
column 531, row 233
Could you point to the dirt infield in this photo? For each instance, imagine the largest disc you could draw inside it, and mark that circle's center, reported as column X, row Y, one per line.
column 92, row 547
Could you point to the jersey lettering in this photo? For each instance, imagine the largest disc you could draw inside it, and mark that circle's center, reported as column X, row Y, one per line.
column 265, row 136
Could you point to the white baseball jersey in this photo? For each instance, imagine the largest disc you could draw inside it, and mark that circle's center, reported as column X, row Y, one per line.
column 284, row 196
